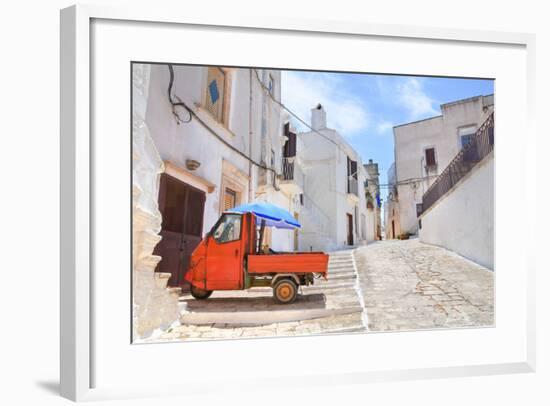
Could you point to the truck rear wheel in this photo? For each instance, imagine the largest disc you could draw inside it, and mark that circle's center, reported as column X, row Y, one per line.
column 200, row 294
column 285, row 291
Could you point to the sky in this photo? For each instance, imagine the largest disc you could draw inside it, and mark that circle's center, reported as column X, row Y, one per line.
column 363, row 108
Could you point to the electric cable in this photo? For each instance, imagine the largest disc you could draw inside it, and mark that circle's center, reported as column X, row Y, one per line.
column 194, row 115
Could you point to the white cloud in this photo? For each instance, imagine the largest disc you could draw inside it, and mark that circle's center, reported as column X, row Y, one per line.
column 345, row 112
column 382, row 127
column 410, row 94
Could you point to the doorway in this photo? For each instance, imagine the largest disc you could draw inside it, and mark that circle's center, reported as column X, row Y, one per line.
column 350, row 228
column 392, row 229
column 182, row 209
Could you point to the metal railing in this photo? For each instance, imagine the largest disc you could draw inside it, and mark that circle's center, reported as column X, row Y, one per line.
column 480, row 145
column 288, row 168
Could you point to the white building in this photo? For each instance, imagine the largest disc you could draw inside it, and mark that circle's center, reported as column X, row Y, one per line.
column 334, row 212
column 372, row 194
column 391, row 207
column 221, row 138
column 423, row 149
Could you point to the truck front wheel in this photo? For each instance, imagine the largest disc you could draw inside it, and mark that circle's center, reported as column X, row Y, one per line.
column 199, row 293
column 285, row 291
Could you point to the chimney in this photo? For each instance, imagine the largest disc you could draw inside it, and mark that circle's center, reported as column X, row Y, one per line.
column 318, row 118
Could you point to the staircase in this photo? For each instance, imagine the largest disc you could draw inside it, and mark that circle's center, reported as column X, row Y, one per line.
column 341, row 291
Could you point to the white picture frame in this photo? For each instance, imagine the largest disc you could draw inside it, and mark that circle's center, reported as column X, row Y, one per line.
column 77, row 215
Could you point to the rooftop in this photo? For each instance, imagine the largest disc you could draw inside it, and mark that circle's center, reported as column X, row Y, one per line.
column 487, row 101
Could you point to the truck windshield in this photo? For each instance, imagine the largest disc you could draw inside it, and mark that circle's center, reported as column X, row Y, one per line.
column 228, row 229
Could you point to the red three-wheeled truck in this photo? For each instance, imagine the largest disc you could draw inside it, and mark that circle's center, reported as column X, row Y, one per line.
column 232, row 256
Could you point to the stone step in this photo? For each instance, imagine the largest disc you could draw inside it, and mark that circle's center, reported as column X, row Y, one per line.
column 339, row 278
column 350, row 263
column 356, row 329
column 319, row 288
column 340, row 257
column 341, row 269
column 337, row 268
column 341, row 266
column 257, row 318
column 344, row 256
column 340, row 272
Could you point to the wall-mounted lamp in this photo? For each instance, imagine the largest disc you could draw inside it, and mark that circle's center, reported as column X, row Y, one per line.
column 191, row 164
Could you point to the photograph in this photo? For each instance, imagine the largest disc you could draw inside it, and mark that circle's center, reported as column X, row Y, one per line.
column 270, row 202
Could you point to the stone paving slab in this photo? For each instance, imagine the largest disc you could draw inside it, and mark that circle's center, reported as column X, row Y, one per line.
column 408, row 285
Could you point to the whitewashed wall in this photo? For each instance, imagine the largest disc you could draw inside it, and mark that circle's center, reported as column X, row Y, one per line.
column 463, row 219
column 179, row 142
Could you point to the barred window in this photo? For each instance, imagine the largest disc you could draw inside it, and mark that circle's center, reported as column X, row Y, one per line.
column 215, row 93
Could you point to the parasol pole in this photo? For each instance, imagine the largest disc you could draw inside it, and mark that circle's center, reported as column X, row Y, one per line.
column 262, row 229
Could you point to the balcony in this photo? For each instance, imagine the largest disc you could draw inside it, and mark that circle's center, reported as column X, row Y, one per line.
column 291, row 181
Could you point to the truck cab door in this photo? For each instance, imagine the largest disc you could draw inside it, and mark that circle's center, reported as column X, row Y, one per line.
column 224, row 257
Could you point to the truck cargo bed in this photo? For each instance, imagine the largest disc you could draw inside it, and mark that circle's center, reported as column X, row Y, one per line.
column 298, row 262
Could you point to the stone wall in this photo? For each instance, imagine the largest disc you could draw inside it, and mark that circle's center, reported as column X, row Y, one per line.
column 154, row 306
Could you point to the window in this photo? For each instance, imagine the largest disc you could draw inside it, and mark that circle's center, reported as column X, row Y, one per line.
column 230, row 199
column 228, row 229
column 215, row 93
column 430, row 157
column 466, row 134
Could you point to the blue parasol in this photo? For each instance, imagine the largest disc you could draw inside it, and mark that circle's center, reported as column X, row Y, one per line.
column 274, row 216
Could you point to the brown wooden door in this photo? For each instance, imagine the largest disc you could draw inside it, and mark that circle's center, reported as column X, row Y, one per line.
column 350, row 229
column 182, row 209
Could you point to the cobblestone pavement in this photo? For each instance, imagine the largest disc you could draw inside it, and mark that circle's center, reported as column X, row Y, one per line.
column 332, row 306
column 408, row 285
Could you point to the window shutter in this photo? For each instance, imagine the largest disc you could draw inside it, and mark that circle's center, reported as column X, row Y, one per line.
column 289, row 149
column 215, row 92
column 430, row 157
column 230, row 199
column 354, row 169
